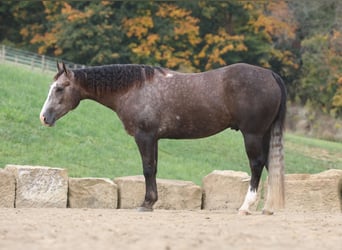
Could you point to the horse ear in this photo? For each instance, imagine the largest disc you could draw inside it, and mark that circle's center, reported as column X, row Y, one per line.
column 62, row 67
column 65, row 69
column 59, row 66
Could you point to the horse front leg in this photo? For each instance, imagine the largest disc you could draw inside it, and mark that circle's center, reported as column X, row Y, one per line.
column 148, row 147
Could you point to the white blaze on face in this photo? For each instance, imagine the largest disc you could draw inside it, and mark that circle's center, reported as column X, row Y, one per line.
column 53, row 85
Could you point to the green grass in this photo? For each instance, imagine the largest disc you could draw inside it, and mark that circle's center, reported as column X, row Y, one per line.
column 91, row 141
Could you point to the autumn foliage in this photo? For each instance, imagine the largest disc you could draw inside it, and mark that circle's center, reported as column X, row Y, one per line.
column 302, row 41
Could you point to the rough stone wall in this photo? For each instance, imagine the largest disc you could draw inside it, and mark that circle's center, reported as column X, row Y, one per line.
column 92, row 193
column 36, row 186
column 225, row 190
column 313, row 192
column 39, row 186
column 7, row 189
column 173, row 194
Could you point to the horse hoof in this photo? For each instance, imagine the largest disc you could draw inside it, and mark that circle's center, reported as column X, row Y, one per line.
column 144, row 209
column 267, row 212
column 244, row 212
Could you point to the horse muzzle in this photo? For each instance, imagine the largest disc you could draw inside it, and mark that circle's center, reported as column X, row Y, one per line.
column 47, row 120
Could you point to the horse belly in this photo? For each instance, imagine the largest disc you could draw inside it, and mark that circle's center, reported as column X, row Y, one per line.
column 194, row 124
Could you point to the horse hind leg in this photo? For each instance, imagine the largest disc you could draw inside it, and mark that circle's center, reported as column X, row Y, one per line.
column 340, row 192
column 256, row 150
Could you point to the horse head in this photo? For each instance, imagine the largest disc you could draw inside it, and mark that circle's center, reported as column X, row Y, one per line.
column 63, row 96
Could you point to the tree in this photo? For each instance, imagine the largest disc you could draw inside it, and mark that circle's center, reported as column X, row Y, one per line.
column 220, row 27
column 164, row 34
column 256, row 33
column 276, row 25
column 17, row 20
column 321, row 54
column 301, row 40
column 84, row 32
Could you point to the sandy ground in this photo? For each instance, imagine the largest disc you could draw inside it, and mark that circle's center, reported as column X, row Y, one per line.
column 128, row 229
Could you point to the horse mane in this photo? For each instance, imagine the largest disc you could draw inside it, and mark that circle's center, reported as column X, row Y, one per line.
column 114, row 77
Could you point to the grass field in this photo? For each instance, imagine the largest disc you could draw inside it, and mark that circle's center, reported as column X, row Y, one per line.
column 91, row 141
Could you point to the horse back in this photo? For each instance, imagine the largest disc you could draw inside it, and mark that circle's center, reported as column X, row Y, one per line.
column 186, row 106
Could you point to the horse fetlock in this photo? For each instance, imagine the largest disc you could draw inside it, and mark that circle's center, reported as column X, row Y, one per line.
column 244, row 212
column 267, row 212
column 145, row 209
column 151, row 196
column 146, row 206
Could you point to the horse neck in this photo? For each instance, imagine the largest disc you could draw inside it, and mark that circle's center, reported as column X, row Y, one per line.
column 109, row 99
column 87, row 93
column 107, row 84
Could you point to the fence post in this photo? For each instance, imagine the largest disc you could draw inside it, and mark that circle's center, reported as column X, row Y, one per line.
column 32, row 63
column 3, row 53
column 18, row 56
column 43, row 63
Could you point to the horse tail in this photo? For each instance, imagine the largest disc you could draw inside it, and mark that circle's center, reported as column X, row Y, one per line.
column 340, row 192
column 276, row 166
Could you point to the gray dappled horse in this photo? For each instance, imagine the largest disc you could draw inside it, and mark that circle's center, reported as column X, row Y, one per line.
column 155, row 103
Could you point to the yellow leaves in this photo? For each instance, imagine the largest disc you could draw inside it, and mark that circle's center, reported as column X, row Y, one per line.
column 58, row 51
column 138, row 26
column 174, row 43
column 47, row 40
column 339, row 81
column 241, row 47
column 337, row 99
column 172, row 11
column 146, row 46
column 52, row 7
column 183, row 27
column 183, row 22
column 33, row 29
column 336, row 42
column 152, row 39
column 24, row 32
column 286, row 57
column 278, row 22
column 105, row 3
column 273, row 27
column 67, row 8
column 248, row 6
column 189, row 28
column 74, row 14
column 218, row 45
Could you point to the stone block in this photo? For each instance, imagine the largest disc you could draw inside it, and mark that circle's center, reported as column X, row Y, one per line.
column 92, row 193
column 173, row 194
column 7, row 189
column 39, row 187
column 313, row 192
column 225, row 190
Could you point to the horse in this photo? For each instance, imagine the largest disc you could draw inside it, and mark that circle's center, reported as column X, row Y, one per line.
column 155, row 103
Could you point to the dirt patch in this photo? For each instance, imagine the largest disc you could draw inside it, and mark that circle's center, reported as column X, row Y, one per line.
column 128, row 229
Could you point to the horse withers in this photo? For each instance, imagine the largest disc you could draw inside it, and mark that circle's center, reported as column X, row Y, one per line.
column 155, row 103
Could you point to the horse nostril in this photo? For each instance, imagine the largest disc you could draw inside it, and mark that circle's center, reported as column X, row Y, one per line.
column 43, row 119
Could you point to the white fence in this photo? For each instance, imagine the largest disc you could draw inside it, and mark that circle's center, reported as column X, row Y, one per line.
column 33, row 60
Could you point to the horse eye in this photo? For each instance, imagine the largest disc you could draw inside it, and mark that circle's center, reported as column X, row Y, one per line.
column 59, row 89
